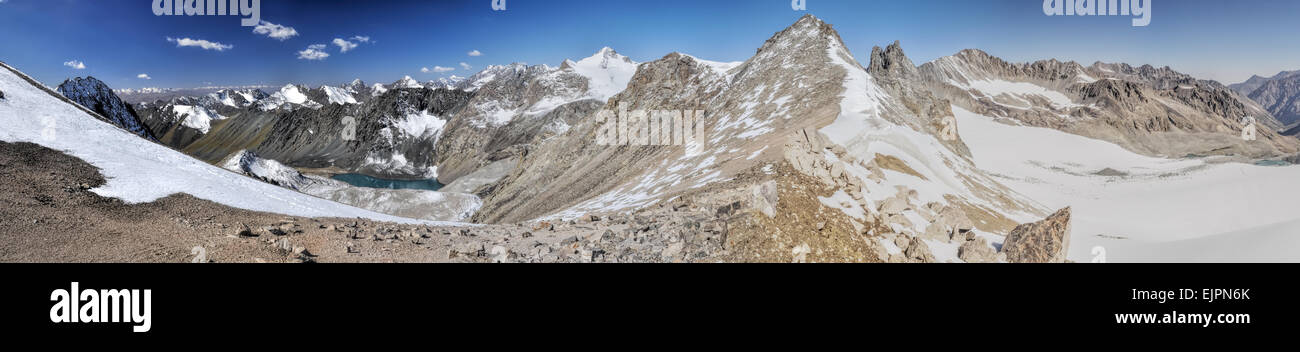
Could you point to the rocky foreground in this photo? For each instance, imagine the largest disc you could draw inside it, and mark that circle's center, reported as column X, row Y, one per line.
column 50, row 215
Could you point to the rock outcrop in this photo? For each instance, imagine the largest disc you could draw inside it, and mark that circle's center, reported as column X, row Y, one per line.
column 99, row 98
column 1149, row 110
column 1046, row 241
column 977, row 251
column 918, row 251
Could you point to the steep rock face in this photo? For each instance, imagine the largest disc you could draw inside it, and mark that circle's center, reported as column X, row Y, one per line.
column 1281, row 97
column 513, row 105
column 182, row 121
column 1154, row 111
column 573, row 172
column 98, row 97
column 853, row 134
column 211, row 126
column 895, row 73
column 389, row 136
column 891, row 62
column 1046, row 241
column 358, row 89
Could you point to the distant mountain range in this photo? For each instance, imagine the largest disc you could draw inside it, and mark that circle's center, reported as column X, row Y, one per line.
column 1280, row 94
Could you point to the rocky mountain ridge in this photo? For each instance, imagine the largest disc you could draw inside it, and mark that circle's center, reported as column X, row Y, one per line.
column 1154, row 111
column 98, row 97
column 1281, row 96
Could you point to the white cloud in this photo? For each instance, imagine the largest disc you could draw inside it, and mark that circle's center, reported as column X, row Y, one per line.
column 437, row 69
column 143, row 76
column 314, row 52
column 344, row 46
column 475, row 53
column 76, row 65
column 465, row 66
column 275, row 31
column 206, row 45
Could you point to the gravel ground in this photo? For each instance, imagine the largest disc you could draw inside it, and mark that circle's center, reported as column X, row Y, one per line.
column 48, row 214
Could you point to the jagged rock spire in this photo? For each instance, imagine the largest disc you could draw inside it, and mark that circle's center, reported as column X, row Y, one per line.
column 891, row 63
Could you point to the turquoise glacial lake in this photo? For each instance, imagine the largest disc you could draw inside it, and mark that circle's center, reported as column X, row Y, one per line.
column 360, row 180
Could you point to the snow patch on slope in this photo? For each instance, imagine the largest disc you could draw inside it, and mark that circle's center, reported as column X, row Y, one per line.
column 1162, row 210
column 266, row 169
column 718, row 67
column 139, row 171
column 1019, row 91
column 420, row 125
column 196, row 117
column 864, row 132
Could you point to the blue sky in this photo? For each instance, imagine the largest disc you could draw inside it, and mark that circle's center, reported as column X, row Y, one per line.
column 119, row 39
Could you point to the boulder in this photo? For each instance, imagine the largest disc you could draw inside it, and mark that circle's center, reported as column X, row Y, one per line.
column 823, row 174
column 499, row 254
column 977, row 251
column 1045, row 241
column 907, row 193
column 955, row 218
column 763, row 197
column 244, row 231
column 893, row 205
column 900, row 240
column 814, row 139
column 919, row 251
column 900, row 220
column 801, row 252
column 937, row 231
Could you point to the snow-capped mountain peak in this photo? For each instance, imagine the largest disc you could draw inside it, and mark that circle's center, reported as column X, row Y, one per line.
column 288, row 96
column 406, row 82
column 378, row 89
column 608, row 72
column 336, row 95
column 449, row 82
column 235, row 98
